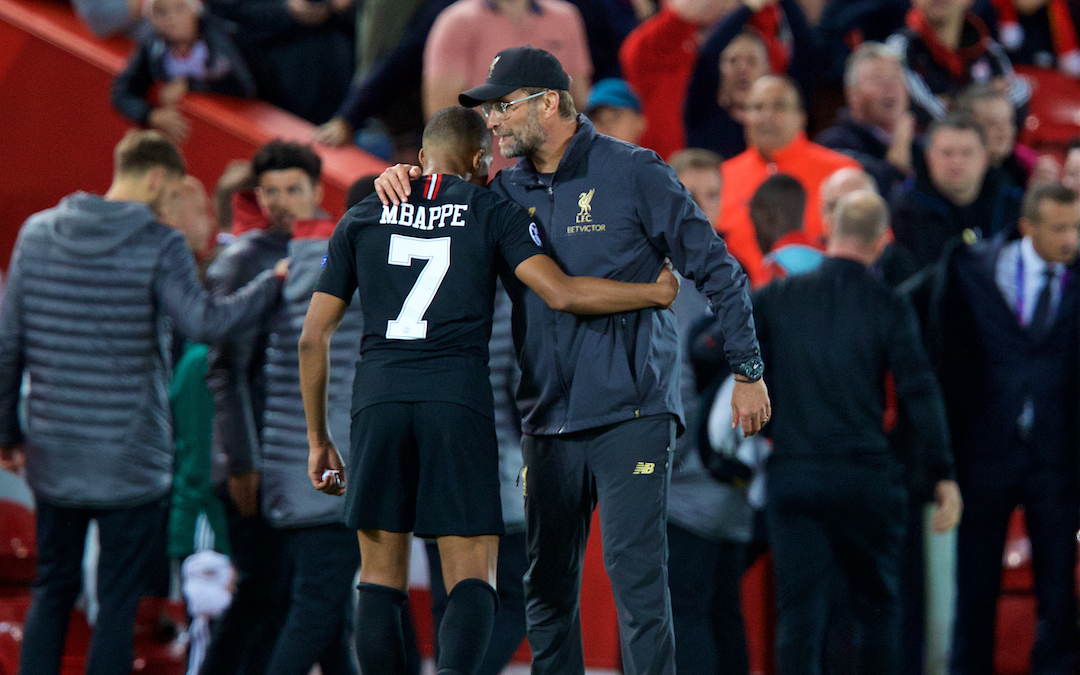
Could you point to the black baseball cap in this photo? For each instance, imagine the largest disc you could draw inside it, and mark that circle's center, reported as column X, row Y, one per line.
column 515, row 68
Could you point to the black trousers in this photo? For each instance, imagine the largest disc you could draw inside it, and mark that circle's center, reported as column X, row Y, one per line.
column 319, row 566
column 244, row 637
column 843, row 516
column 624, row 470
column 704, row 577
column 509, row 628
column 129, row 539
column 1052, row 512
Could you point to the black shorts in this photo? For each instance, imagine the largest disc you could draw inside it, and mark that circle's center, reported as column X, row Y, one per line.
column 430, row 468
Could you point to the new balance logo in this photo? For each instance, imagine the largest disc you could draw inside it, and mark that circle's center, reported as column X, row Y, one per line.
column 644, row 468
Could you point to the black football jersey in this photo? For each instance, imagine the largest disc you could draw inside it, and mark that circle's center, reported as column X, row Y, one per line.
column 425, row 271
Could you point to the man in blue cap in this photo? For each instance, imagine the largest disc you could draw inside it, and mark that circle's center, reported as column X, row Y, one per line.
column 600, row 395
column 615, row 110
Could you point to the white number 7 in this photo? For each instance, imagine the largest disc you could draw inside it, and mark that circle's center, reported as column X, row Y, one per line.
column 410, row 324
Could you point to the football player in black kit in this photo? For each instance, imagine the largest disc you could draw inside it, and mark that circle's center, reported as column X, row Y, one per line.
column 423, row 435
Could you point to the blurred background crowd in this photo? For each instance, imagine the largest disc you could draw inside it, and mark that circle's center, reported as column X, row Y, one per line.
column 770, row 111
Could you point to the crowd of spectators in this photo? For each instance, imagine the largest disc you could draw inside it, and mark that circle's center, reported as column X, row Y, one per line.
column 771, row 112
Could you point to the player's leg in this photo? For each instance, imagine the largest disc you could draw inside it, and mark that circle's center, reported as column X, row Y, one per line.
column 559, row 500
column 384, row 581
column 380, row 504
column 458, row 501
column 469, row 568
column 632, row 465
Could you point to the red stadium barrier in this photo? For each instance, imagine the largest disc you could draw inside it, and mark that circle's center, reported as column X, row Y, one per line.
column 59, row 127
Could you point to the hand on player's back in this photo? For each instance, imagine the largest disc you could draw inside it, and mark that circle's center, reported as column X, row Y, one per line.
column 393, row 185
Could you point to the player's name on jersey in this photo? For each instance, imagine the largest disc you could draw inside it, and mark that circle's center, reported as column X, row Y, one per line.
column 424, row 218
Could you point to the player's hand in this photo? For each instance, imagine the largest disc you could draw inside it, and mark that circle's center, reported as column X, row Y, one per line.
column 668, row 285
column 750, row 406
column 948, row 506
column 393, row 185
column 325, row 468
column 171, row 93
column 281, row 269
column 170, row 122
column 244, row 492
column 12, row 458
column 336, row 132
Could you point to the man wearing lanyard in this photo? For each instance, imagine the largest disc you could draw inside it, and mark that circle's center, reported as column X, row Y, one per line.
column 1003, row 327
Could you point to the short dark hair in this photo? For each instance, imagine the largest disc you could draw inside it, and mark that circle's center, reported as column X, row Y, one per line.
column 362, row 188
column 776, row 208
column 142, row 150
column 460, row 130
column 1074, row 144
column 278, row 155
column 957, row 121
column 1055, row 192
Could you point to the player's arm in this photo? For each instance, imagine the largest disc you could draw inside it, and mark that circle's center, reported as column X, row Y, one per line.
column 322, row 319
column 592, row 296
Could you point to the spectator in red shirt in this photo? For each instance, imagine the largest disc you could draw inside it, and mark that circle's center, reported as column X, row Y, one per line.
column 657, row 60
column 775, row 132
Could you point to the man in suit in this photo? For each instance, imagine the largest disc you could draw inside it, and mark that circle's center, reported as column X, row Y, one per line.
column 1003, row 326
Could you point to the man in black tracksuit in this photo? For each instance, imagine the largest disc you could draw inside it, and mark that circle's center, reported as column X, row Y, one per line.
column 836, row 495
column 600, row 396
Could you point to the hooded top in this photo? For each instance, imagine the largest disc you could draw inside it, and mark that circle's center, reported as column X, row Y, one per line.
column 92, row 283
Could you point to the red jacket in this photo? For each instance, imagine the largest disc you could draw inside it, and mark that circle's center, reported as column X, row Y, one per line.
column 658, row 59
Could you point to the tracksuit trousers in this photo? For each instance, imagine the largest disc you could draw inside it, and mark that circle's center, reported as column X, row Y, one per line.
column 624, row 469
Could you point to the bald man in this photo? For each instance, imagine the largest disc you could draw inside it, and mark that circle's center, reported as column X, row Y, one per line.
column 836, row 497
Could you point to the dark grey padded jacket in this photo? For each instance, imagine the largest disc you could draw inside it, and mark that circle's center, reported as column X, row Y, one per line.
column 92, row 287
column 288, row 498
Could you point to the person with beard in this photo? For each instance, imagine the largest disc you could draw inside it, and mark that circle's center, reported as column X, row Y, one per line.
column 876, row 127
column 604, row 437
column 91, row 284
column 955, row 196
column 287, row 190
column 945, row 47
column 760, row 37
column 423, row 455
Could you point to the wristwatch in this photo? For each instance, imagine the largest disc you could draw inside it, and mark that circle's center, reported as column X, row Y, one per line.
column 751, row 370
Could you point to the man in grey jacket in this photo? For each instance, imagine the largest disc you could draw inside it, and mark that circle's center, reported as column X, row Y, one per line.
column 93, row 283
column 600, row 395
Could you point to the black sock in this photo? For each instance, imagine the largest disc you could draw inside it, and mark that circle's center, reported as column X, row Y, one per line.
column 380, row 645
column 466, row 627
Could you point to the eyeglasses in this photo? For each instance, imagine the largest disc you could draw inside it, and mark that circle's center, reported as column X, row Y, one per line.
column 500, row 108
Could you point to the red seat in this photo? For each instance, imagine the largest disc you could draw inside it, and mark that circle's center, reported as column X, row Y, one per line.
column 1054, row 112
column 18, row 546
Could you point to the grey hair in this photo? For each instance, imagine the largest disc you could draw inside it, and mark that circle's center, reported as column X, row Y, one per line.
column 867, row 51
